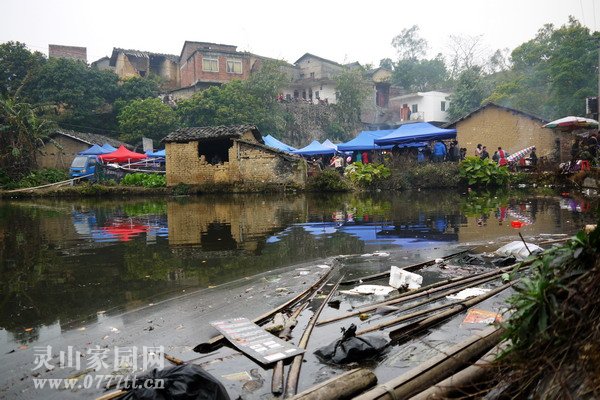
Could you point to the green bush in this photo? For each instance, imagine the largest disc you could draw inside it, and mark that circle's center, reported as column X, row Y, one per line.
column 366, row 175
column 328, row 181
column 43, row 177
column 431, row 175
column 477, row 172
column 145, row 180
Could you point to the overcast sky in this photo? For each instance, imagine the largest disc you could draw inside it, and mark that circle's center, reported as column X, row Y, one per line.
column 342, row 31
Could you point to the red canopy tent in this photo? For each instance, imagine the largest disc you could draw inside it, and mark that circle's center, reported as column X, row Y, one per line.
column 122, row 155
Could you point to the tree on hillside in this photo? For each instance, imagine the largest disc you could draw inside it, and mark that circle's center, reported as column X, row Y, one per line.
column 552, row 73
column 352, row 90
column 469, row 92
column 16, row 62
column 149, row 118
column 409, row 45
column 82, row 96
column 413, row 72
column 420, row 75
column 22, row 131
column 135, row 88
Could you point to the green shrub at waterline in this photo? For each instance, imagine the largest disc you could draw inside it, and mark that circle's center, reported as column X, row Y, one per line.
column 328, row 181
column 431, row 175
column 365, row 175
column 477, row 172
column 145, row 180
column 35, row 178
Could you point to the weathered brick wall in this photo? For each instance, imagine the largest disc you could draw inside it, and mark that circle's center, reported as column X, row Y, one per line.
column 247, row 164
column 124, row 68
column 70, row 52
column 495, row 127
column 184, row 166
column 53, row 157
column 262, row 166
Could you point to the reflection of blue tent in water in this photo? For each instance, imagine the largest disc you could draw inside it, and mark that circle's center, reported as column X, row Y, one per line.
column 406, row 236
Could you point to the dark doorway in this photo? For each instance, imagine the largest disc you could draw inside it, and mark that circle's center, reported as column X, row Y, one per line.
column 215, row 151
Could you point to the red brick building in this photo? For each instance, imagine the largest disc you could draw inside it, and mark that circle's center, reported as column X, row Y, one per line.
column 211, row 63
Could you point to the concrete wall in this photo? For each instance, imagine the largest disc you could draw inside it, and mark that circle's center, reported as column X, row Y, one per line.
column 248, row 164
column 495, row 126
column 53, row 157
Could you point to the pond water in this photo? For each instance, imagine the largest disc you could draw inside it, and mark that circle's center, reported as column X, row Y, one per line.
column 62, row 261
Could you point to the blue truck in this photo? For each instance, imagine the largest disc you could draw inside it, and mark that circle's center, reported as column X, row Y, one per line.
column 83, row 165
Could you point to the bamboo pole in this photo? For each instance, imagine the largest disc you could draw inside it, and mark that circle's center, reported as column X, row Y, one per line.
column 411, row 329
column 277, row 379
column 112, row 395
column 468, row 377
column 436, row 368
column 434, row 288
column 217, row 341
column 406, row 268
column 429, row 301
column 344, row 386
column 294, row 373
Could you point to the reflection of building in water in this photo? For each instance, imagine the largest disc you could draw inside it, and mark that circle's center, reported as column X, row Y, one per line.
column 229, row 224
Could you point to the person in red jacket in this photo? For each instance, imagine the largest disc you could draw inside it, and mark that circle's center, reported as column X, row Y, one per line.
column 365, row 157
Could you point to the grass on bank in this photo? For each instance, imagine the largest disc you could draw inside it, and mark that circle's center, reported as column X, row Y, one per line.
column 554, row 331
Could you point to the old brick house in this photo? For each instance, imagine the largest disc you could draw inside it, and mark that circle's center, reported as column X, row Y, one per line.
column 203, row 64
column 66, row 144
column 493, row 125
column 229, row 156
column 70, row 52
column 134, row 63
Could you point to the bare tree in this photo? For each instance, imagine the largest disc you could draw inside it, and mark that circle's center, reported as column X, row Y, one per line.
column 465, row 52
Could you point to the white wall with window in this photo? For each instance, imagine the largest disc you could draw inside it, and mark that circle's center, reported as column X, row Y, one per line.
column 427, row 106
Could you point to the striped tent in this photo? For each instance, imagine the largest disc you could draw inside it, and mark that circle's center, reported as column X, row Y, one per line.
column 519, row 154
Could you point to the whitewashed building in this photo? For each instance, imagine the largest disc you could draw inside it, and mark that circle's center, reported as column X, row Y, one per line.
column 421, row 106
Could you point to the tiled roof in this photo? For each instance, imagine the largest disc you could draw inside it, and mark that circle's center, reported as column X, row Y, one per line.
column 212, row 132
column 91, row 138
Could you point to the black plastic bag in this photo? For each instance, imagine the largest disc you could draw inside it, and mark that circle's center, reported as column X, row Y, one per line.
column 182, row 382
column 504, row 261
column 351, row 348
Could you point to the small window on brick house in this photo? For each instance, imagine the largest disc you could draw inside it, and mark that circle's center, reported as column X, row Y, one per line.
column 312, row 75
column 215, row 151
column 210, row 65
column 415, row 108
column 317, row 95
column 234, row 67
column 443, row 106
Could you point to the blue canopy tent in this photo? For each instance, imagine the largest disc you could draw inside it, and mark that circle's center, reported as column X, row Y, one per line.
column 365, row 140
column 108, row 147
column 95, row 150
column 314, row 149
column 417, row 132
column 156, row 154
column 276, row 144
column 329, row 143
